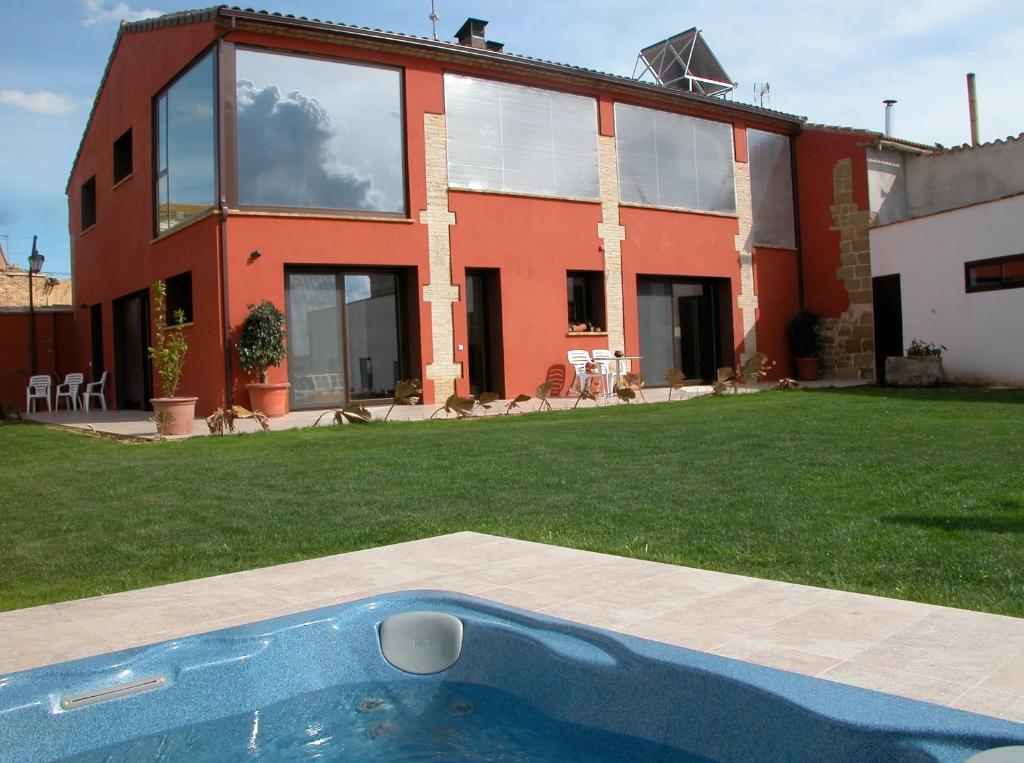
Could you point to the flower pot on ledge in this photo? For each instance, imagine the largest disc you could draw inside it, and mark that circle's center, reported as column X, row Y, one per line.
column 175, row 416
column 269, row 399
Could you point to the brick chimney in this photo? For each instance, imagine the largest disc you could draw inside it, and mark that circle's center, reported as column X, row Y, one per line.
column 471, row 34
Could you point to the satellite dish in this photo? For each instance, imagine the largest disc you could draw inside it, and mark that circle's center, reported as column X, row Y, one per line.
column 685, row 62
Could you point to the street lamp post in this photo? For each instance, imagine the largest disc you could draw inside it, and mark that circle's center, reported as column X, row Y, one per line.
column 35, row 264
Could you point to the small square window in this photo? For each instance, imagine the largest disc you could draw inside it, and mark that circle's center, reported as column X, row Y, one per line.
column 179, row 297
column 89, row 203
column 586, row 300
column 123, row 156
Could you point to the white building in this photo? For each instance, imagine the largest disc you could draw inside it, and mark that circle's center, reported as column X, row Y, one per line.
column 947, row 256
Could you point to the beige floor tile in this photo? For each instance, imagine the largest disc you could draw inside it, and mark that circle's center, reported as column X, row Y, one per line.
column 844, row 626
column 34, row 647
column 32, row 617
column 774, row 656
column 675, row 633
column 950, row 644
column 995, row 703
column 597, row 617
column 519, row 598
column 886, row 679
column 1008, row 677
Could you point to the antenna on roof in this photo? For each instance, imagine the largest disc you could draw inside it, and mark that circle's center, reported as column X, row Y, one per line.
column 762, row 93
column 434, row 18
column 684, row 62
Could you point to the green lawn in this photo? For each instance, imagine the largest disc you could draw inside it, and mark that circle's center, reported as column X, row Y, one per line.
column 915, row 494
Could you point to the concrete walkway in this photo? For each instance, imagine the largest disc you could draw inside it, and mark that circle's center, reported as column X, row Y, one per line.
column 964, row 659
column 139, row 424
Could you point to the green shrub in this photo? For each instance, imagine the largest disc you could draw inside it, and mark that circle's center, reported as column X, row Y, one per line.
column 261, row 341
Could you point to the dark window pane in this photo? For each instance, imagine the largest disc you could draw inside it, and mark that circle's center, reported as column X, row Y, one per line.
column 586, row 299
column 371, row 315
column 89, row 203
column 1013, row 270
column 123, row 156
column 186, row 161
column 179, row 297
column 983, row 275
column 319, row 134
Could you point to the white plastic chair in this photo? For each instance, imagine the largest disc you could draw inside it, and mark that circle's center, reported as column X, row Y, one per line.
column 38, row 389
column 579, row 359
column 69, row 391
column 96, row 389
column 606, row 359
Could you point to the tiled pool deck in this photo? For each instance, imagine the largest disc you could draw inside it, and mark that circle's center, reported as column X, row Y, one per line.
column 969, row 660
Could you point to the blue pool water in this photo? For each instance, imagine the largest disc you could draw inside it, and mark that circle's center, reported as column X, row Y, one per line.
column 524, row 687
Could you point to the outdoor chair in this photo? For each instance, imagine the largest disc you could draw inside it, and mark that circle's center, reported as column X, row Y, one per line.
column 38, row 389
column 69, row 391
column 606, row 360
column 580, row 360
column 96, row 390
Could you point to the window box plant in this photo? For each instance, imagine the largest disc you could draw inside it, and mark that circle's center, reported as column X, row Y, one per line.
column 174, row 415
column 260, row 347
column 804, row 335
column 920, row 367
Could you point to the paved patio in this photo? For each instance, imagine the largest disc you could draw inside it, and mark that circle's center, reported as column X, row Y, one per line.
column 964, row 659
column 139, row 424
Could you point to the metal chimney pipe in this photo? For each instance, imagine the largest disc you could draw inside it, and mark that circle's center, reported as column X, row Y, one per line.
column 972, row 106
column 889, row 103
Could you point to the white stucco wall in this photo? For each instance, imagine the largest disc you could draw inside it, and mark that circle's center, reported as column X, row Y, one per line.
column 983, row 331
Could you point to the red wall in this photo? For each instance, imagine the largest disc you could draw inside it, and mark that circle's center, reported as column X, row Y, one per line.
column 55, row 353
column 533, row 242
column 776, row 284
column 817, row 152
column 117, row 256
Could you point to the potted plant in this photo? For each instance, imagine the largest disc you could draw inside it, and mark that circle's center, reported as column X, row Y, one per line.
column 174, row 415
column 260, row 345
column 921, row 367
column 805, row 343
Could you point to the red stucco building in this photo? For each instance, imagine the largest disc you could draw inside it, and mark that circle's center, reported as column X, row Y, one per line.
column 445, row 211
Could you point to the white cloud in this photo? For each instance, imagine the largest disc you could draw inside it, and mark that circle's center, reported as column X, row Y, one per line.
column 39, row 102
column 97, row 12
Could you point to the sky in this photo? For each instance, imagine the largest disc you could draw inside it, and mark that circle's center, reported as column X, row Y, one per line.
column 832, row 62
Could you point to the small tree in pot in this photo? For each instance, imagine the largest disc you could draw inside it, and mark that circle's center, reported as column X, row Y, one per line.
column 174, row 415
column 260, row 346
column 805, row 343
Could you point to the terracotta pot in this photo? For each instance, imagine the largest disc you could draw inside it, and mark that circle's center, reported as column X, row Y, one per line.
column 269, row 399
column 807, row 368
column 175, row 415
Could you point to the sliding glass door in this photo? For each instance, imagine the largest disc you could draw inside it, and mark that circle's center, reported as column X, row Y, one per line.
column 344, row 336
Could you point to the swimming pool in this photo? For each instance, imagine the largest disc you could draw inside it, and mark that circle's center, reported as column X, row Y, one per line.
column 475, row 680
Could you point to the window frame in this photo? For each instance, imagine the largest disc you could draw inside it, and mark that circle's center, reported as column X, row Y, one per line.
column 119, row 154
column 87, row 191
column 229, row 96
column 1003, row 284
column 155, row 142
column 594, row 300
column 188, row 307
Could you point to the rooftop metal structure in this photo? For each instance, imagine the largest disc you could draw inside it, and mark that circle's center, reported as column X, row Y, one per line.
column 686, row 62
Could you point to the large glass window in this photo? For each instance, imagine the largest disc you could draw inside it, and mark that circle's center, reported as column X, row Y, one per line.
column 517, row 139
column 771, row 188
column 185, row 135
column 315, row 134
column 670, row 160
